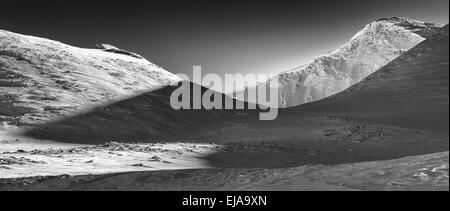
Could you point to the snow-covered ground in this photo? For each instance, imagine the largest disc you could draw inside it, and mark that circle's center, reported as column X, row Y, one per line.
column 417, row 173
column 25, row 157
column 370, row 49
column 103, row 159
column 41, row 79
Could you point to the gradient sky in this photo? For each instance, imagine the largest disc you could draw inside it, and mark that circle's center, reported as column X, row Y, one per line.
column 233, row 36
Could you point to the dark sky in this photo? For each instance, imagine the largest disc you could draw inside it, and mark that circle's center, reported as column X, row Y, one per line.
column 223, row 36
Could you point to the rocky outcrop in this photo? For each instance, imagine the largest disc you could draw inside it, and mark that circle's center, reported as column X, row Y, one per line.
column 113, row 49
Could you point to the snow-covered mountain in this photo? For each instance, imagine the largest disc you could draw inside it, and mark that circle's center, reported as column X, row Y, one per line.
column 370, row 49
column 412, row 91
column 41, row 79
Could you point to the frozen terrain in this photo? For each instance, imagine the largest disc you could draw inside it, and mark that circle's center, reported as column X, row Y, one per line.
column 388, row 132
column 370, row 49
column 42, row 80
column 424, row 173
column 54, row 159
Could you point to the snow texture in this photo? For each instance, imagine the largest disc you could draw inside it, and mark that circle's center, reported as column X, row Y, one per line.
column 370, row 49
column 41, row 79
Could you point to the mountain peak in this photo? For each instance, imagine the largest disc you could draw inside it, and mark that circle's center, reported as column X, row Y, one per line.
column 399, row 20
column 406, row 21
column 444, row 30
column 424, row 29
column 373, row 47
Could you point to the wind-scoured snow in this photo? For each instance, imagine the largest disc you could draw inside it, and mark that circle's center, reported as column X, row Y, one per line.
column 370, row 49
column 41, row 79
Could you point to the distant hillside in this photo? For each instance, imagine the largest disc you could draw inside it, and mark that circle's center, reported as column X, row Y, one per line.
column 412, row 91
column 370, row 49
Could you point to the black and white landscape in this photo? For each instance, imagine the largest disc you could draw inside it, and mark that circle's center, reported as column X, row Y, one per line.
column 370, row 115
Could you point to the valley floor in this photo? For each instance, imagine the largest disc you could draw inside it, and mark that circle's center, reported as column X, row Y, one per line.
column 345, row 155
column 21, row 157
column 418, row 173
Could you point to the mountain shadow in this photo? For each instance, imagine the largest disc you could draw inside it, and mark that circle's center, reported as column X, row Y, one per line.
column 145, row 118
column 399, row 111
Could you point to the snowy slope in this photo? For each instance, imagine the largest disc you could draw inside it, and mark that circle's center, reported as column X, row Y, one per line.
column 41, row 79
column 412, row 91
column 370, row 49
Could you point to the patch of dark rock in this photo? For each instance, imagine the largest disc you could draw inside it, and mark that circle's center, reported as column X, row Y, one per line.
column 9, row 83
column 52, row 109
column 11, row 121
column 9, row 75
column 116, row 146
column 337, row 119
column 16, row 55
column 141, row 165
column 113, row 49
column 44, row 98
column 330, row 133
column 64, row 176
column 18, row 161
column 20, row 182
column 261, row 147
column 116, row 74
column 11, row 110
column 355, row 134
column 8, row 98
column 155, row 159
column 63, row 83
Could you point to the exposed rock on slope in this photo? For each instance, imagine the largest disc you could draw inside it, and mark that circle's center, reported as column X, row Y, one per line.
column 41, row 79
column 373, row 47
column 113, row 49
column 421, row 28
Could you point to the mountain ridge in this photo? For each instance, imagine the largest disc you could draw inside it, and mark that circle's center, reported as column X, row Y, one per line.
column 42, row 79
column 411, row 91
column 374, row 46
